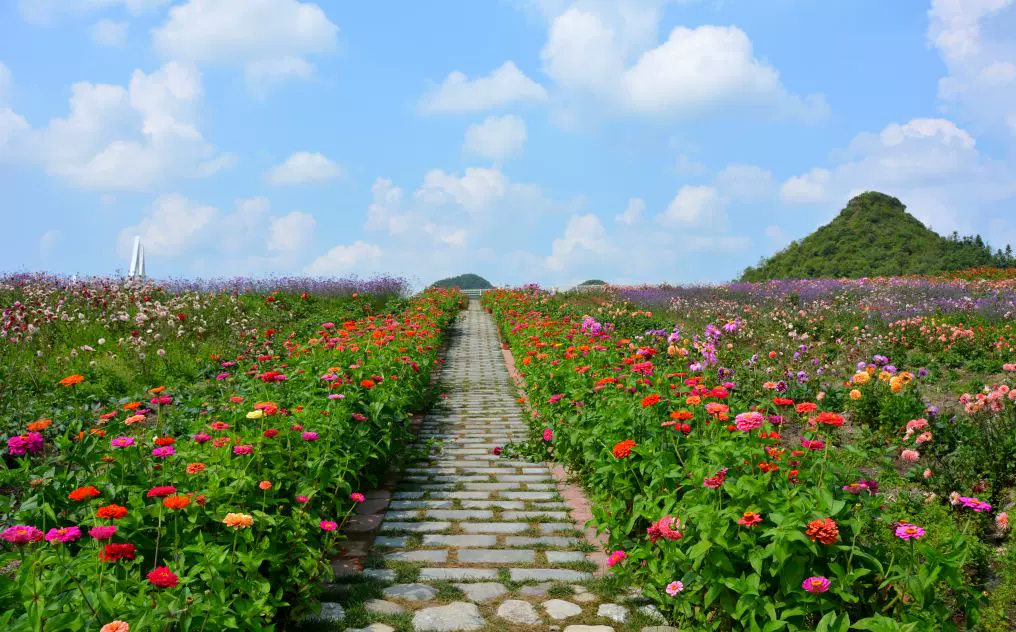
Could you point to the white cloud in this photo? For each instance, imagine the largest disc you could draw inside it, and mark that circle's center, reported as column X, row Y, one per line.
column 304, row 167
column 116, row 137
column 109, row 33
column 932, row 165
column 458, row 94
column 973, row 38
column 269, row 38
column 357, row 257
column 694, row 206
column 695, row 72
column 215, row 165
column 497, row 138
column 583, row 237
column 172, row 228
column 475, row 190
column 808, row 188
column 291, row 232
column 748, row 182
column 633, row 213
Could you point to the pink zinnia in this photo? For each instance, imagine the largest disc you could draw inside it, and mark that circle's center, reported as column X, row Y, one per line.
column 309, row 436
column 202, row 437
column 357, row 497
column 328, row 525
column 1002, row 520
column 102, row 532
column 240, row 450
column 63, row 534
column 122, row 442
column 21, row 534
column 548, row 434
column 816, row 584
column 615, row 558
column 302, row 500
column 907, row 531
column 674, row 587
column 746, row 422
column 910, row 455
column 164, row 451
column 666, row 527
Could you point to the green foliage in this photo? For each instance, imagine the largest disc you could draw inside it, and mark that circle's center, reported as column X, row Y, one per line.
column 875, row 236
column 468, row 281
column 593, row 282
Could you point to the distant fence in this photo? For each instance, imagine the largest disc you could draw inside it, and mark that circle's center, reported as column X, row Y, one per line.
column 473, row 293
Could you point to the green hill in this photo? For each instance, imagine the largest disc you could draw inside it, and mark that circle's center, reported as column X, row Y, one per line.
column 875, row 236
column 464, row 282
column 593, row 282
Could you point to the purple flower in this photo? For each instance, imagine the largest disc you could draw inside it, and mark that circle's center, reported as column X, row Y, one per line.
column 336, row 396
column 309, row 436
column 202, row 437
column 907, row 531
column 31, row 443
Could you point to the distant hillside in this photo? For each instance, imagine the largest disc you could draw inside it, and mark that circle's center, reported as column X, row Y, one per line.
column 464, row 282
column 875, row 236
column 593, row 282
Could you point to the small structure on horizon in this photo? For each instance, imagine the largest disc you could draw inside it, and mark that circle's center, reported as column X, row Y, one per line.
column 137, row 267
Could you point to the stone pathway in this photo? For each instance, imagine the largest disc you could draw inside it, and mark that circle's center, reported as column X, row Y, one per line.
column 474, row 541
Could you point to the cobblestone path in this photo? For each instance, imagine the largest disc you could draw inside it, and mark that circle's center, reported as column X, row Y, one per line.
column 474, row 541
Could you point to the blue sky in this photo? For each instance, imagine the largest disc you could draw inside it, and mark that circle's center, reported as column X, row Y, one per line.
column 525, row 140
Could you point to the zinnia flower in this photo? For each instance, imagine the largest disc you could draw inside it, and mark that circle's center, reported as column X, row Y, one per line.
column 195, row 468
column 616, row 558
column 623, row 449
column 265, row 485
column 907, row 531
column 309, row 436
column 674, row 587
column 241, row 450
column 750, row 519
column 825, row 531
column 21, row 534
column 114, row 552
column 548, row 434
column 161, row 492
column 116, row 626
column 162, row 577
column 84, row 493
column 178, row 501
column 329, row 525
column 64, row 535
column 238, row 521
column 112, row 512
column 746, row 422
column 102, row 532
column 357, row 497
column 816, row 584
column 910, row 455
column 71, row 380
column 122, row 442
column 163, row 452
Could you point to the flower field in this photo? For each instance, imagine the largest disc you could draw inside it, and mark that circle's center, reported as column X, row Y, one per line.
column 794, row 455
column 182, row 456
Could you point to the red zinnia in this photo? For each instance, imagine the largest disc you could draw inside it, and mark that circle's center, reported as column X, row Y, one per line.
column 112, row 512
column 163, row 577
column 161, row 492
column 829, row 419
column 84, row 493
column 825, row 531
column 783, row 401
column 114, row 552
column 806, row 407
column 161, row 441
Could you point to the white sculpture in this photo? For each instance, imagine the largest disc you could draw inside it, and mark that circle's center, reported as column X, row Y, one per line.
column 137, row 268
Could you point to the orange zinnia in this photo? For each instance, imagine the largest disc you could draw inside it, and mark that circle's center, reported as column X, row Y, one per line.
column 114, row 512
column 132, row 405
column 825, row 531
column 175, row 502
column 623, row 449
column 71, row 380
column 156, row 390
column 195, row 468
column 38, row 426
column 682, row 415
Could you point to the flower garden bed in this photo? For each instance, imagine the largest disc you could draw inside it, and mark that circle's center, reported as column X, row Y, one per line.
column 212, row 499
column 743, row 486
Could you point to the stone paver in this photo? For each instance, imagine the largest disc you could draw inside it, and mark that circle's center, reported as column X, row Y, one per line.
column 462, row 513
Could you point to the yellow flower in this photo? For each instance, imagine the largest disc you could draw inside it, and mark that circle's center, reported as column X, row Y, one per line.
column 861, row 378
column 884, row 376
column 855, row 394
column 256, row 414
column 896, row 384
column 238, row 521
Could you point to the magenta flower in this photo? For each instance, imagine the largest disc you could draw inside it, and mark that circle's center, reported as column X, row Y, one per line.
column 201, row 437
column 303, row 500
column 29, row 443
column 102, row 532
column 616, row 558
column 746, row 422
column 907, row 531
column 816, row 584
column 122, row 442
column 974, row 503
column 221, row 376
column 555, row 398
column 357, row 497
column 241, row 450
column 161, row 400
column 164, row 451
column 21, row 534
column 328, row 525
column 63, row 535
column 309, row 436
column 548, row 434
